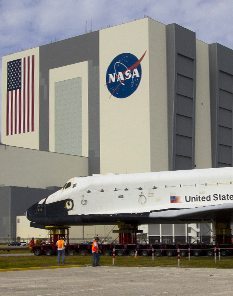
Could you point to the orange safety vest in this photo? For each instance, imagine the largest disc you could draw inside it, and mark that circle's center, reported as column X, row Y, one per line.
column 94, row 247
column 60, row 244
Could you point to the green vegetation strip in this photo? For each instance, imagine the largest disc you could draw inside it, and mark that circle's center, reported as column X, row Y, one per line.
column 8, row 250
column 35, row 262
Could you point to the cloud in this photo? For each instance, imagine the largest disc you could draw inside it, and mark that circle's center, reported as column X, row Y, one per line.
column 30, row 23
column 211, row 20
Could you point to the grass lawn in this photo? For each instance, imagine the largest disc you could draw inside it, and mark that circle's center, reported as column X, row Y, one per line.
column 14, row 250
column 28, row 262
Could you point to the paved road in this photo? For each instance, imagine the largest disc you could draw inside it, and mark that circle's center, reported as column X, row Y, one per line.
column 117, row 281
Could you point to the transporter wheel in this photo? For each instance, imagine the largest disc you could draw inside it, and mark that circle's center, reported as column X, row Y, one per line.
column 70, row 252
column 37, row 252
column 183, row 253
column 144, row 253
column 196, row 253
column 120, row 253
column 49, row 252
column 224, row 253
column 107, row 253
column 131, row 253
column 170, row 253
column 210, row 253
column 83, row 253
column 158, row 253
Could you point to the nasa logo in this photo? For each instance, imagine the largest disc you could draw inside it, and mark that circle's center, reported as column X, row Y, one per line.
column 124, row 75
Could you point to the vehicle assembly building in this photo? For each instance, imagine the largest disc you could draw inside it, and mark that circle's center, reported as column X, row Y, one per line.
column 137, row 97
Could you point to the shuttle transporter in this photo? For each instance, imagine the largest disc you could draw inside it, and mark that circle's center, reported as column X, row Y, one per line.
column 141, row 198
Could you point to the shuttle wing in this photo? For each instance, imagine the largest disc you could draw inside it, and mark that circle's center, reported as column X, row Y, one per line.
column 206, row 213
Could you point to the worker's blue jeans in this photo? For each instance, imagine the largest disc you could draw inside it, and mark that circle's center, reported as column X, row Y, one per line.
column 61, row 256
column 95, row 259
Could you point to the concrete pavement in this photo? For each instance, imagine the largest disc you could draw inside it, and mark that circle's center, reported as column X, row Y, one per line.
column 117, row 281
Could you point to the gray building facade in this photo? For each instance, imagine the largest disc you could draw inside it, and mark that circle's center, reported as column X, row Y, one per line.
column 180, row 51
column 29, row 175
column 66, row 52
column 14, row 202
column 221, row 89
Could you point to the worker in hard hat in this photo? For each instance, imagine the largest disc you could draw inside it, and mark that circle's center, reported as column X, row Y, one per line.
column 60, row 250
column 95, row 252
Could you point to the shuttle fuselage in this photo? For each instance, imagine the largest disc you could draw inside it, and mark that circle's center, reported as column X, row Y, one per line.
column 174, row 196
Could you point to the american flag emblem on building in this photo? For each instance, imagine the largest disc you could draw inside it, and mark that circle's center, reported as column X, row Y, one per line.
column 175, row 199
column 20, row 96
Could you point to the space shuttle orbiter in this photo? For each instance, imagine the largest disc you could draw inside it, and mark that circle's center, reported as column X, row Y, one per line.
column 159, row 197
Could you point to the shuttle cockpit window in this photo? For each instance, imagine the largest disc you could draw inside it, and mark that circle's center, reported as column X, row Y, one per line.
column 67, row 185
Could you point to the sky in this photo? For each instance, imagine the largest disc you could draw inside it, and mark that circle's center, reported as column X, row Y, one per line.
column 30, row 23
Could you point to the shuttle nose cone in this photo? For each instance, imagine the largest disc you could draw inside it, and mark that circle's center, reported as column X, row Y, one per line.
column 55, row 213
column 34, row 212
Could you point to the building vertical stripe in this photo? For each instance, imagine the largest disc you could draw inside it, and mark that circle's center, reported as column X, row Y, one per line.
column 15, row 109
column 11, row 112
column 32, row 111
column 28, row 95
column 20, row 112
column 7, row 114
column 24, row 99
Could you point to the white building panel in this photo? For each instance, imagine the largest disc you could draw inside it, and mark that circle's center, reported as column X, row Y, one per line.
column 158, row 96
column 124, row 120
column 68, row 116
column 68, row 109
column 203, row 155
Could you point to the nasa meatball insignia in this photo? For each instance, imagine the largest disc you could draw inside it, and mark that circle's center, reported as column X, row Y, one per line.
column 123, row 75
